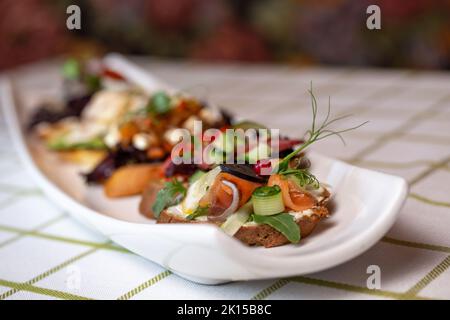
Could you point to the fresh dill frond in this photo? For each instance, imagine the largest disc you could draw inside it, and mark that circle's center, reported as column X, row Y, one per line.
column 317, row 132
column 303, row 177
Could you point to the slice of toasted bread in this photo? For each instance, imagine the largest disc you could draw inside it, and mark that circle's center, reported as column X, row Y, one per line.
column 261, row 234
column 265, row 235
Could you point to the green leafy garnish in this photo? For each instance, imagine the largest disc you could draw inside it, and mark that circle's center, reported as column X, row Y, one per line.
column 93, row 82
column 71, row 69
column 316, row 133
column 61, row 144
column 303, row 177
column 159, row 103
column 172, row 194
column 283, row 223
column 199, row 212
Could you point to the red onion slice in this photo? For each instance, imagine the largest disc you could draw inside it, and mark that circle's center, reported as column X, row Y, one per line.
column 233, row 206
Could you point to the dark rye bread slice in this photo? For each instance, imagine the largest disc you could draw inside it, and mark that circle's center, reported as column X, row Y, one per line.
column 265, row 235
column 262, row 234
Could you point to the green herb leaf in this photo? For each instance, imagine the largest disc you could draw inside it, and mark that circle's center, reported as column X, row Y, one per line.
column 317, row 132
column 172, row 193
column 303, row 177
column 200, row 211
column 93, row 82
column 159, row 103
column 71, row 69
column 283, row 223
column 61, row 144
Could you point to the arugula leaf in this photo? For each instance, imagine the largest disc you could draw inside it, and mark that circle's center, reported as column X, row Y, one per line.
column 283, row 223
column 172, row 193
column 200, row 211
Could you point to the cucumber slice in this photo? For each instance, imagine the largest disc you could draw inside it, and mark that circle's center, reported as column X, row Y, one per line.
column 235, row 221
column 267, row 201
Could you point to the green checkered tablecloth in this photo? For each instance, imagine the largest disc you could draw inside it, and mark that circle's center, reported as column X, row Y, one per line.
column 45, row 254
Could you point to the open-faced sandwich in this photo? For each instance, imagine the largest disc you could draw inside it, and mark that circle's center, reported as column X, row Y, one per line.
column 266, row 211
column 273, row 201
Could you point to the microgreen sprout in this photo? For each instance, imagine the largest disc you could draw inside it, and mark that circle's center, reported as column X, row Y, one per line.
column 317, row 132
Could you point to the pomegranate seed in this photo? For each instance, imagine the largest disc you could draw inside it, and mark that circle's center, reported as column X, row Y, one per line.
column 260, row 164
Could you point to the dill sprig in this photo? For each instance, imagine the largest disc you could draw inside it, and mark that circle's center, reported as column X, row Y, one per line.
column 304, row 177
column 317, row 132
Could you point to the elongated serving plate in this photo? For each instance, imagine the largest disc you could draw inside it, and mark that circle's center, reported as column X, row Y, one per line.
column 363, row 210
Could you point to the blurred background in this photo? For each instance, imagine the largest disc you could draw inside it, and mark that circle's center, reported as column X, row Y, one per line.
column 414, row 34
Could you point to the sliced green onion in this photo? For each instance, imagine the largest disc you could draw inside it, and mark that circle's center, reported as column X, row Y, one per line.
column 267, row 201
column 235, row 221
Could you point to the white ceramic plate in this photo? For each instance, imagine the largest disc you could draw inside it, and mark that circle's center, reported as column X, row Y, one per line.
column 366, row 204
